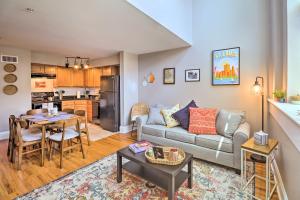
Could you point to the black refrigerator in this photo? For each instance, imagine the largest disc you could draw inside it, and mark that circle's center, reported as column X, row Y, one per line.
column 109, row 105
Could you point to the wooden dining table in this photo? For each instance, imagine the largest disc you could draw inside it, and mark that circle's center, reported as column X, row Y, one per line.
column 44, row 120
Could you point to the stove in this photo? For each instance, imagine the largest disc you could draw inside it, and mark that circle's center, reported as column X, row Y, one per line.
column 39, row 98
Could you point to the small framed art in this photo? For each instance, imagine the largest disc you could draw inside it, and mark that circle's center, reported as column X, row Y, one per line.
column 169, row 75
column 226, row 66
column 192, row 75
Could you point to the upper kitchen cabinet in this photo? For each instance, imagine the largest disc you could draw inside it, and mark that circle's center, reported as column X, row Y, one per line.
column 64, row 77
column 50, row 69
column 97, row 72
column 89, row 77
column 110, row 70
column 78, row 78
column 37, row 68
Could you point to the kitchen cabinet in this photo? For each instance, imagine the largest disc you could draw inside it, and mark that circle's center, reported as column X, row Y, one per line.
column 64, row 77
column 67, row 105
column 85, row 105
column 110, row 70
column 106, row 71
column 78, row 78
column 49, row 69
column 89, row 77
column 37, row 68
column 80, row 105
column 69, row 77
column 97, row 72
column 89, row 111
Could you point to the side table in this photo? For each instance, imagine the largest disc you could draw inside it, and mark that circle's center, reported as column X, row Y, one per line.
column 265, row 151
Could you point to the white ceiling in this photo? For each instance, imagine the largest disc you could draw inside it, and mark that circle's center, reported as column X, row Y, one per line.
column 94, row 28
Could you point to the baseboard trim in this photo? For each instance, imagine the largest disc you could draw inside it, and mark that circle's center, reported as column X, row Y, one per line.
column 126, row 129
column 4, row 135
column 280, row 186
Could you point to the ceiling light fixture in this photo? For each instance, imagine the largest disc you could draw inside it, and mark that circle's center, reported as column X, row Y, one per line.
column 67, row 63
column 29, row 10
column 75, row 64
column 76, row 61
column 86, row 66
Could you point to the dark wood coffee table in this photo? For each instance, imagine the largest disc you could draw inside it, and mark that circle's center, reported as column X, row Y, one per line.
column 167, row 177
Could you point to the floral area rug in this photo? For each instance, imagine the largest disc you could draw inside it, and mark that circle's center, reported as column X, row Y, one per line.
column 98, row 181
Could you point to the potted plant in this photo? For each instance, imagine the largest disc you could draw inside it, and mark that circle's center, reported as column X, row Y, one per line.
column 279, row 95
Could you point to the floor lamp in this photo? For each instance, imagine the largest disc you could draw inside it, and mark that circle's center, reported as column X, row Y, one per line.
column 258, row 89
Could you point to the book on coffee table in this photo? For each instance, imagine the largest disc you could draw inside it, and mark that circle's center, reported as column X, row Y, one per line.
column 139, row 147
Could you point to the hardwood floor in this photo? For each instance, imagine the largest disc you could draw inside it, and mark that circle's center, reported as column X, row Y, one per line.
column 14, row 183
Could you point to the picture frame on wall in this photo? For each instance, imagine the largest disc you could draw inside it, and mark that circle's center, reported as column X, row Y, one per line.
column 169, row 75
column 192, row 75
column 226, row 66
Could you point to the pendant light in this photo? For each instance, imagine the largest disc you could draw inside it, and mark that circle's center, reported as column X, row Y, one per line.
column 67, row 63
column 75, row 64
column 86, row 66
column 81, row 64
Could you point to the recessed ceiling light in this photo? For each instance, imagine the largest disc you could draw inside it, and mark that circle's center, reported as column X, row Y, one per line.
column 29, row 10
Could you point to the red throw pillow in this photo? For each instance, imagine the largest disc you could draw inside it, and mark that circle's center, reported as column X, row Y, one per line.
column 203, row 121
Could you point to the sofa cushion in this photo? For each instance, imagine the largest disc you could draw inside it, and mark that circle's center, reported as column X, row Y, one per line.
column 183, row 115
column 155, row 117
column 216, row 142
column 155, row 130
column 228, row 122
column 167, row 113
column 203, row 121
column 180, row 134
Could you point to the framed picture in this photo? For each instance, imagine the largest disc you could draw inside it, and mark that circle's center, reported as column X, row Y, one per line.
column 169, row 75
column 226, row 66
column 192, row 75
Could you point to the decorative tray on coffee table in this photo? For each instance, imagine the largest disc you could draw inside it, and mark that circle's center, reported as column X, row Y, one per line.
column 176, row 156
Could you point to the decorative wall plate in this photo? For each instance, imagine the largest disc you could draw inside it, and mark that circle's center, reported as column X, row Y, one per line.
column 10, row 68
column 10, row 89
column 10, row 78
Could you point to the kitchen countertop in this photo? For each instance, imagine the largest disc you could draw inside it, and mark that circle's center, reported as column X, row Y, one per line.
column 74, row 98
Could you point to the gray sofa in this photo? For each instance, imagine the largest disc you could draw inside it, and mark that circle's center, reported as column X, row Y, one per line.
column 213, row 148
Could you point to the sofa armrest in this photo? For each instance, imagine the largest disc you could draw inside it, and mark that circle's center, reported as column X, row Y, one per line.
column 140, row 121
column 240, row 136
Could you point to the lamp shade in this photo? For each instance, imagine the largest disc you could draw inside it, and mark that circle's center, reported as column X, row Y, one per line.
column 257, row 88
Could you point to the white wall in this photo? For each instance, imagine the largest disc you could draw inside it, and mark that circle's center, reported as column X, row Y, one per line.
column 128, row 86
column 47, row 58
column 175, row 15
column 216, row 25
column 111, row 60
column 20, row 102
column 293, row 39
column 287, row 159
column 277, row 43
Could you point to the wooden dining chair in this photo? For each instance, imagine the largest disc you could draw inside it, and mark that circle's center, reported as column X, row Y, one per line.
column 11, row 145
column 68, row 110
column 34, row 112
column 63, row 138
column 25, row 138
column 83, row 124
